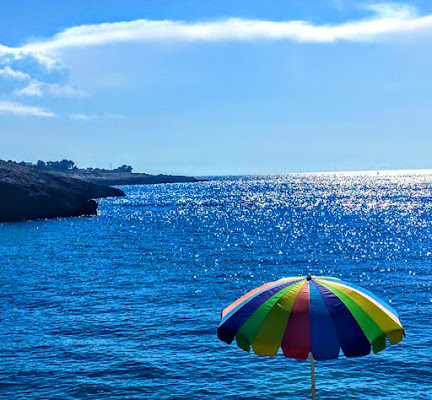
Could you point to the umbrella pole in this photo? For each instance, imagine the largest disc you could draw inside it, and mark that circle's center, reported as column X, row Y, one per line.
column 313, row 377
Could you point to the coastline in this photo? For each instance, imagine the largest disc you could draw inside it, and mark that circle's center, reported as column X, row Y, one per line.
column 29, row 193
column 26, row 194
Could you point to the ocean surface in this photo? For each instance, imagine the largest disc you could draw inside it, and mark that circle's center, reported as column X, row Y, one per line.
column 125, row 305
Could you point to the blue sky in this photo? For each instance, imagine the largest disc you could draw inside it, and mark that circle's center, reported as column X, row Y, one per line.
column 218, row 87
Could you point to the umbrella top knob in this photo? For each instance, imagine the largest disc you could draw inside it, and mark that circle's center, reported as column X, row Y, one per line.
column 309, row 277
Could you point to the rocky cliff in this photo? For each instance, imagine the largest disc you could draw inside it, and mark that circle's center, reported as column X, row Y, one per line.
column 26, row 193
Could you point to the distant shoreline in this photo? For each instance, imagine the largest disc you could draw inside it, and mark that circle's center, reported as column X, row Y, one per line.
column 122, row 175
column 128, row 178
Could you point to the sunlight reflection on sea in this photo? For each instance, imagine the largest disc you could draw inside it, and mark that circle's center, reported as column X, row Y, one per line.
column 126, row 304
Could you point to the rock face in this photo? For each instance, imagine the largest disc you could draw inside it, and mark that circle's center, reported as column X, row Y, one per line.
column 26, row 193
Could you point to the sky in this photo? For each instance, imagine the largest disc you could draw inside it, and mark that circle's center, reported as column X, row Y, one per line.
column 222, row 87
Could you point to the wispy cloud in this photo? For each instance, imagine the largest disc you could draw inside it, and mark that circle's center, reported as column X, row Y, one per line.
column 8, row 72
column 384, row 19
column 81, row 117
column 33, row 89
column 8, row 107
column 18, row 109
column 90, row 117
column 38, row 89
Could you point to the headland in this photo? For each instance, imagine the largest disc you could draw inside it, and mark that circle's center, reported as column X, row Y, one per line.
column 58, row 189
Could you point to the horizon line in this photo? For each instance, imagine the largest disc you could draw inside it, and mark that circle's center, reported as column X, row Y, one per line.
column 366, row 171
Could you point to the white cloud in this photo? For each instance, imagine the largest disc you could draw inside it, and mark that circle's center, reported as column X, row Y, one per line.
column 8, row 72
column 81, row 117
column 35, row 69
column 33, row 89
column 89, row 117
column 38, row 89
column 385, row 19
column 7, row 107
column 393, row 10
column 63, row 90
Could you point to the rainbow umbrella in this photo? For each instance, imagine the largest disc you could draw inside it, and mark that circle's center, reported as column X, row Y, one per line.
column 316, row 316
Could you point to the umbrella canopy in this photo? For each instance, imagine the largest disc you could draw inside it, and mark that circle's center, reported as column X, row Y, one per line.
column 312, row 315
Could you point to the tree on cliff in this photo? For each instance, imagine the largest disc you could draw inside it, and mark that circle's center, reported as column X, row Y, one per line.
column 63, row 165
column 123, row 168
column 69, row 166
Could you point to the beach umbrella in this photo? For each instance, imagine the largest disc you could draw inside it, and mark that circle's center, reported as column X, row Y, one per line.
column 315, row 316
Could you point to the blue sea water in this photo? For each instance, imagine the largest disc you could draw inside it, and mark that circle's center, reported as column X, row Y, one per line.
column 125, row 305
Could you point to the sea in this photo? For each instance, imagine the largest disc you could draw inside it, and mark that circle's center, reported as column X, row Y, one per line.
column 126, row 304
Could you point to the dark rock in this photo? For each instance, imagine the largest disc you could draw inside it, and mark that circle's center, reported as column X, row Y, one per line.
column 26, row 193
